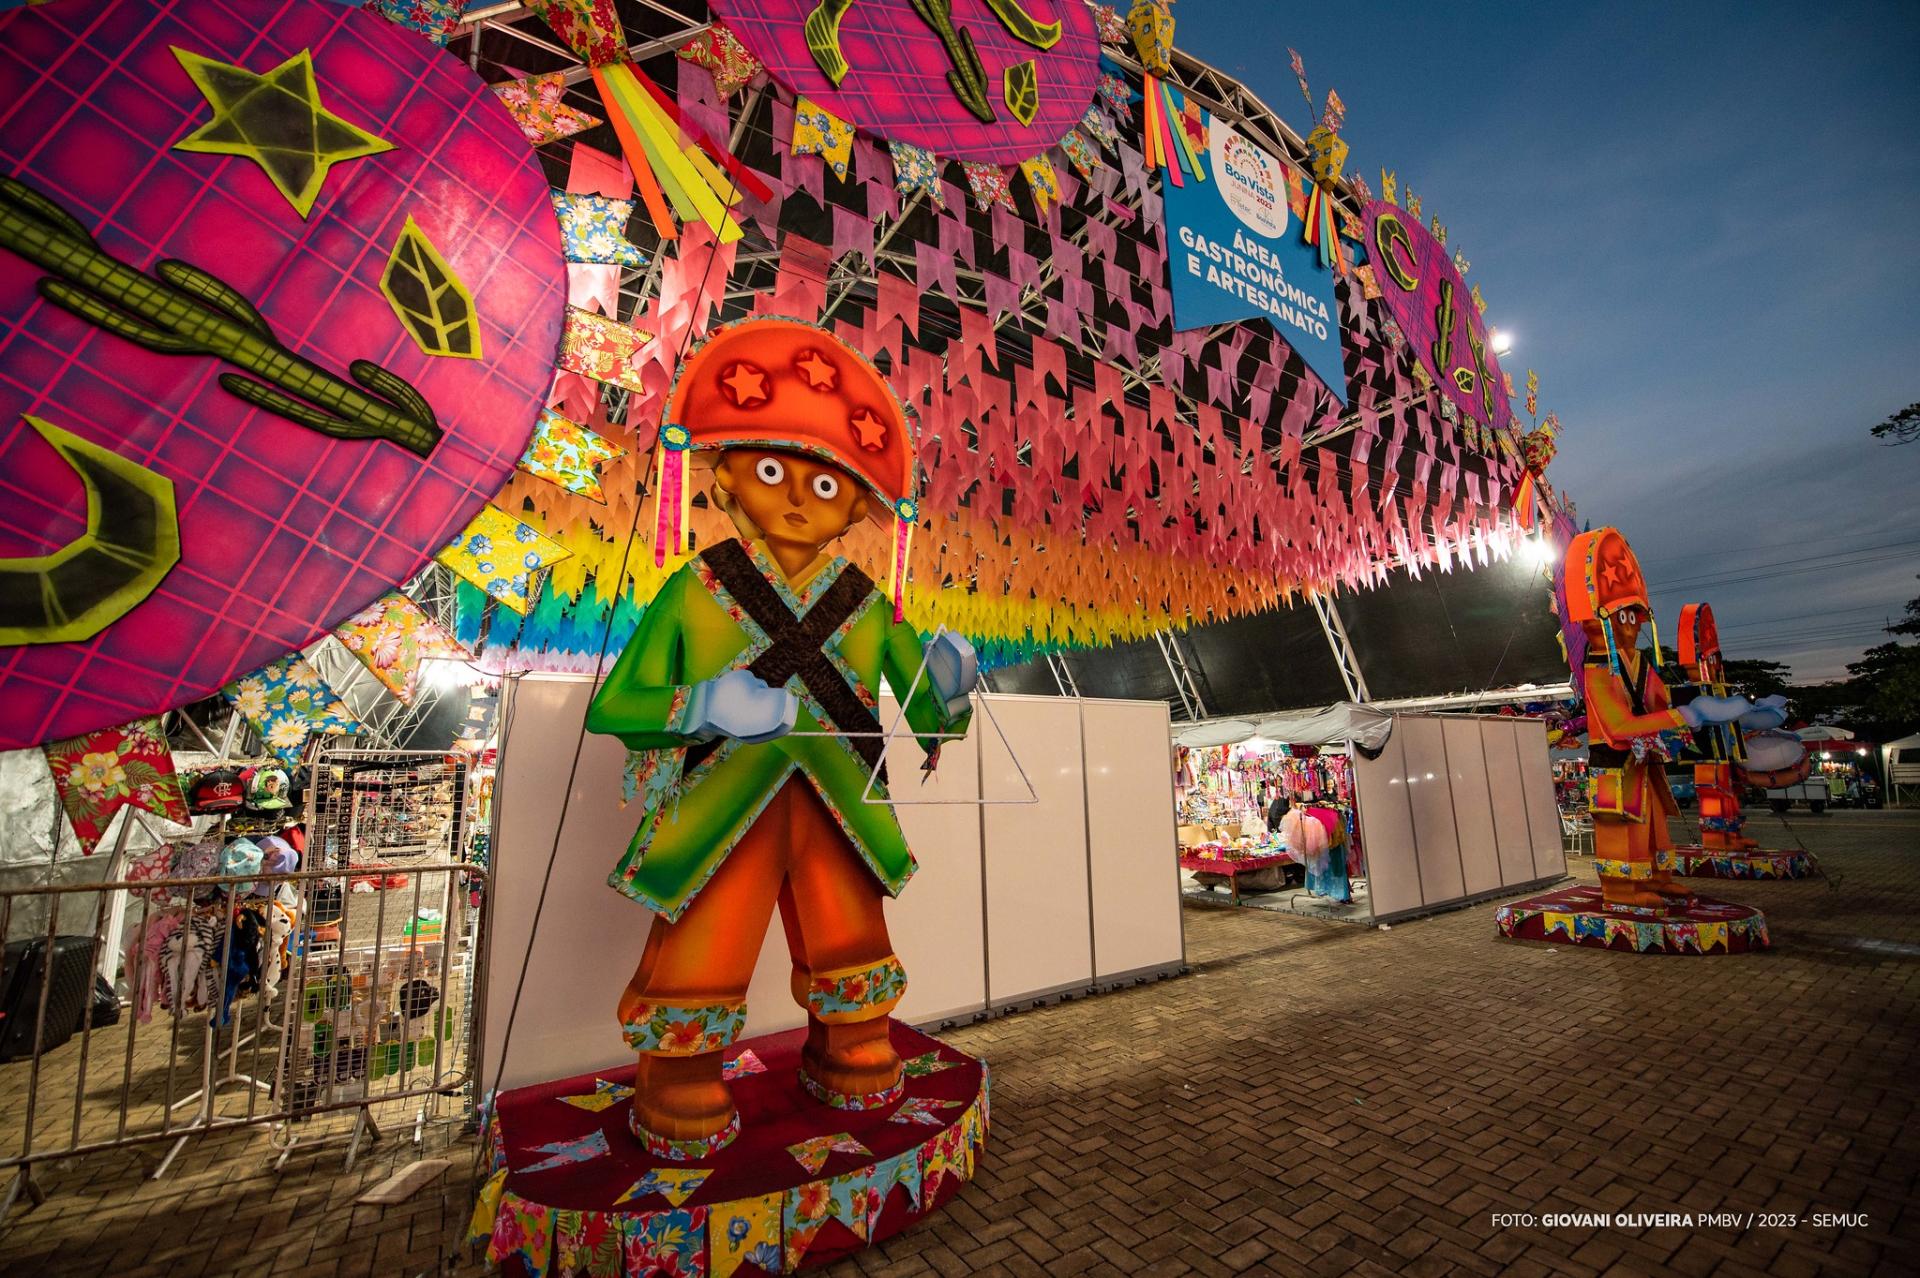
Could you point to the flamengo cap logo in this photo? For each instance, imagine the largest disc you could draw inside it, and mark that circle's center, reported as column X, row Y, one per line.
column 1250, row 180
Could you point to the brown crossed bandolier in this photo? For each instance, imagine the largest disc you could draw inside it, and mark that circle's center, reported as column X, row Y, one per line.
column 799, row 646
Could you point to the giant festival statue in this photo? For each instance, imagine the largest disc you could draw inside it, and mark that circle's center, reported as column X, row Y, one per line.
column 751, row 690
column 1728, row 757
column 1634, row 727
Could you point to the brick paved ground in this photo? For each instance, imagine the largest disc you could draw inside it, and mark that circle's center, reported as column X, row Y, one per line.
column 1314, row 1098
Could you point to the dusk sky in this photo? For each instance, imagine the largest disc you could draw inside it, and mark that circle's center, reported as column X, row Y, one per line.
column 1698, row 223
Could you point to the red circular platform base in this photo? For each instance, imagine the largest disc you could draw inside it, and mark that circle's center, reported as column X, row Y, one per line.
column 1576, row 916
column 1761, row 863
column 573, row 1192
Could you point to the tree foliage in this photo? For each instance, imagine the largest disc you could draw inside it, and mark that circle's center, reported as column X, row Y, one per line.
column 1902, row 427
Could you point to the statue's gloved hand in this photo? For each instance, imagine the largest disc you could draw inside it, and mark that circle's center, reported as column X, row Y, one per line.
column 742, row 705
column 953, row 668
column 1767, row 712
column 1720, row 709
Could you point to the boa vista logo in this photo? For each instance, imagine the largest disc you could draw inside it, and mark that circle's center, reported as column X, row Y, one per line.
column 1250, row 181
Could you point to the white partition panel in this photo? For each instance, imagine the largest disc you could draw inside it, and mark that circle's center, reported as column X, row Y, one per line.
column 1543, row 815
column 1034, row 871
column 939, row 923
column 1510, row 826
column 1472, row 806
column 1386, row 829
column 1130, row 834
column 1039, row 918
column 589, row 938
column 1430, row 792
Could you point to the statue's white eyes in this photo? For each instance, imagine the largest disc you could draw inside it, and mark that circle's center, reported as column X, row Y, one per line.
column 826, row 487
column 770, row 470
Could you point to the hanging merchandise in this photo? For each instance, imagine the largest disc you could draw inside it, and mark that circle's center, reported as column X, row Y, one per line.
column 308, row 424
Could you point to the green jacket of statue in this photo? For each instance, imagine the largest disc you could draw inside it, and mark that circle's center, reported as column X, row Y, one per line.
column 698, row 798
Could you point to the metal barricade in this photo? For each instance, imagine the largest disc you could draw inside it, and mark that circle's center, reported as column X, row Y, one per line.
column 314, row 998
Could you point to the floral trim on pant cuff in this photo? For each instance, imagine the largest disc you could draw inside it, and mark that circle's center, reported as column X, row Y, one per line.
column 857, row 993
column 669, row 1030
column 1608, row 869
column 853, row 1100
column 684, row 1151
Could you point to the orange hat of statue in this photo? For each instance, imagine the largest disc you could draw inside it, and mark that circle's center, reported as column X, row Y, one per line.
column 1602, row 576
column 769, row 382
column 1699, row 637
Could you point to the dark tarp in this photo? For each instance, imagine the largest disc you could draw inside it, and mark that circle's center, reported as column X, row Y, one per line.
column 1493, row 627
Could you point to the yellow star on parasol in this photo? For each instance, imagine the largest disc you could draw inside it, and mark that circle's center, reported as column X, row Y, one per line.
column 276, row 120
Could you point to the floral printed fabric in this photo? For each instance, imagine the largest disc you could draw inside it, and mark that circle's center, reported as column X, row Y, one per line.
column 684, row 1151
column 813, row 1152
column 818, row 131
column 1111, row 26
column 603, row 349
column 666, row 1243
column 853, row 995
column 522, row 1228
column 916, row 171
column 392, row 636
column 98, row 774
column 434, row 19
column 1042, row 181
column 499, row 554
column 719, row 50
column 537, row 104
column 746, row 1232
column 593, row 229
column 1114, row 92
column 1098, row 128
column 569, row 455
column 684, row 1031
column 565, row 1153
column 923, row 1111
column 590, row 27
column 1085, row 156
column 674, row 1184
column 286, row 701
column 989, row 185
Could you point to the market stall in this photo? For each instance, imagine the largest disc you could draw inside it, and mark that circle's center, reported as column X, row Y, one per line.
column 1435, row 810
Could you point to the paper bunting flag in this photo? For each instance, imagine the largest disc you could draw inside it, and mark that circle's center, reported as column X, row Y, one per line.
column 930, row 1063
column 434, row 19
column 1336, row 113
column 569, row 455
column 605, row 1095
column 1460, row 262
column 603, row 349
column 593, row 229
column 1389, row 186
column 499, row 554
column 1084, row 155
column 537, row 104
column 813, row 1152
column 746, row 1232
column 98, row 774
column 1300, row 74
column 1098, row 128
column 1119, row 98
column 391, row 637
column 675, row 1184
column 989, row 185
column 916, row 170
column 742, row 1065
column 1479, row 302
column 565, row 1153
column 1150, row 22
column 286, row 701
column 1369, row 285
column 719, row 50
column 590, row 27
column 593, row 172
column 818, row 131
column 1042, row 182
column 1108, row 22
column 925, row 1112
column 1439, row 229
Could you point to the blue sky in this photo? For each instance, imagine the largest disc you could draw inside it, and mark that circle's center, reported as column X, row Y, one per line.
column 1702, row 224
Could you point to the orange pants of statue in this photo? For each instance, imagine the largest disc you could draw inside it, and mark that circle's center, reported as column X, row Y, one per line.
column 1713, row 788
column 687, row 1000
